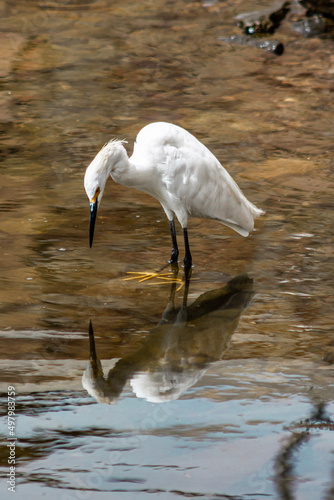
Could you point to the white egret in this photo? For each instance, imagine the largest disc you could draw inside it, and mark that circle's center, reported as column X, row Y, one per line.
column 171, row 165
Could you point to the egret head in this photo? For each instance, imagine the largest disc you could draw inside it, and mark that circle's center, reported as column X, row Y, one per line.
column 96, row 177
column 94, row 183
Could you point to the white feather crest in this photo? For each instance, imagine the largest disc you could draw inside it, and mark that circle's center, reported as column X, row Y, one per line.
column 115, row 142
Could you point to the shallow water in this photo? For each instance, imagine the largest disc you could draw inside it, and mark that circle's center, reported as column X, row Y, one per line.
column 222, row 390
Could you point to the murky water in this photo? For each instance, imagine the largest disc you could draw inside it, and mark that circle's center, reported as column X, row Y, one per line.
column 219, row 388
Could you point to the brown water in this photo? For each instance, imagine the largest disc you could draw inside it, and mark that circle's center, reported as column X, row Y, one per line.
column 247, row 384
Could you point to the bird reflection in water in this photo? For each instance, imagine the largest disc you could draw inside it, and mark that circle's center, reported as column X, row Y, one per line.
column 177, row 351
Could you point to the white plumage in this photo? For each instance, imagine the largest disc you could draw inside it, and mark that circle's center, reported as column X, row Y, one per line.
column 171, row 165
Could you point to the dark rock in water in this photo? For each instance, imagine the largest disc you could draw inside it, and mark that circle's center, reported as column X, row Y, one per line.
column 314, row 18
column 314, row 26
column 263, row 21
column 323, row 7
column 270, row 45
column 273, row 46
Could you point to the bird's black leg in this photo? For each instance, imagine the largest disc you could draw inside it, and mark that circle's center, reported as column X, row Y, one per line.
column 187, row 259
column 175, row 250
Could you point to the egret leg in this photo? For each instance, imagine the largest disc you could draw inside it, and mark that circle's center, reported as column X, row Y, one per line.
column 187, row 259
column 92, row 352
column 175, row 250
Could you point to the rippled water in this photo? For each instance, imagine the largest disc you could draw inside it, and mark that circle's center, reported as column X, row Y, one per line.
column 217, row 388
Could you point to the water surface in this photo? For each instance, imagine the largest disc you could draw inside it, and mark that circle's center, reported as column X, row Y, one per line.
column 225, row 400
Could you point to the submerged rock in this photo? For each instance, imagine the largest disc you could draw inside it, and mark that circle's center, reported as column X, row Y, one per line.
column 315, row 25
column 318, row 18
column 322, row 7
column 308, row 18
column 263, row 21
column 268, row 45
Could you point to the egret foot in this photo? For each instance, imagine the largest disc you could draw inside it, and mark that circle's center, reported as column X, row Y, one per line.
column 156, row 278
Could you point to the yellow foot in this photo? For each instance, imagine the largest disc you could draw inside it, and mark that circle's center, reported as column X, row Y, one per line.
column 162, row 278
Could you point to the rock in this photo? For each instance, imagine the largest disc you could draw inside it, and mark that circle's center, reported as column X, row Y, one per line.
column 314, row 26
column 322, row 7
column 263, row 21
column 268, row 45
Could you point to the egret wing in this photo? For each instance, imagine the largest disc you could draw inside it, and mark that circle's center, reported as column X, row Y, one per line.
column 201, row 184
column 189, row 180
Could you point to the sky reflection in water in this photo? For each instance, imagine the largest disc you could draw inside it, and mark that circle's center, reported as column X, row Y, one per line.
column 249, row 384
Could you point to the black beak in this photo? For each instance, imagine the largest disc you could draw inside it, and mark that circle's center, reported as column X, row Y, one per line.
column 93, row 212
